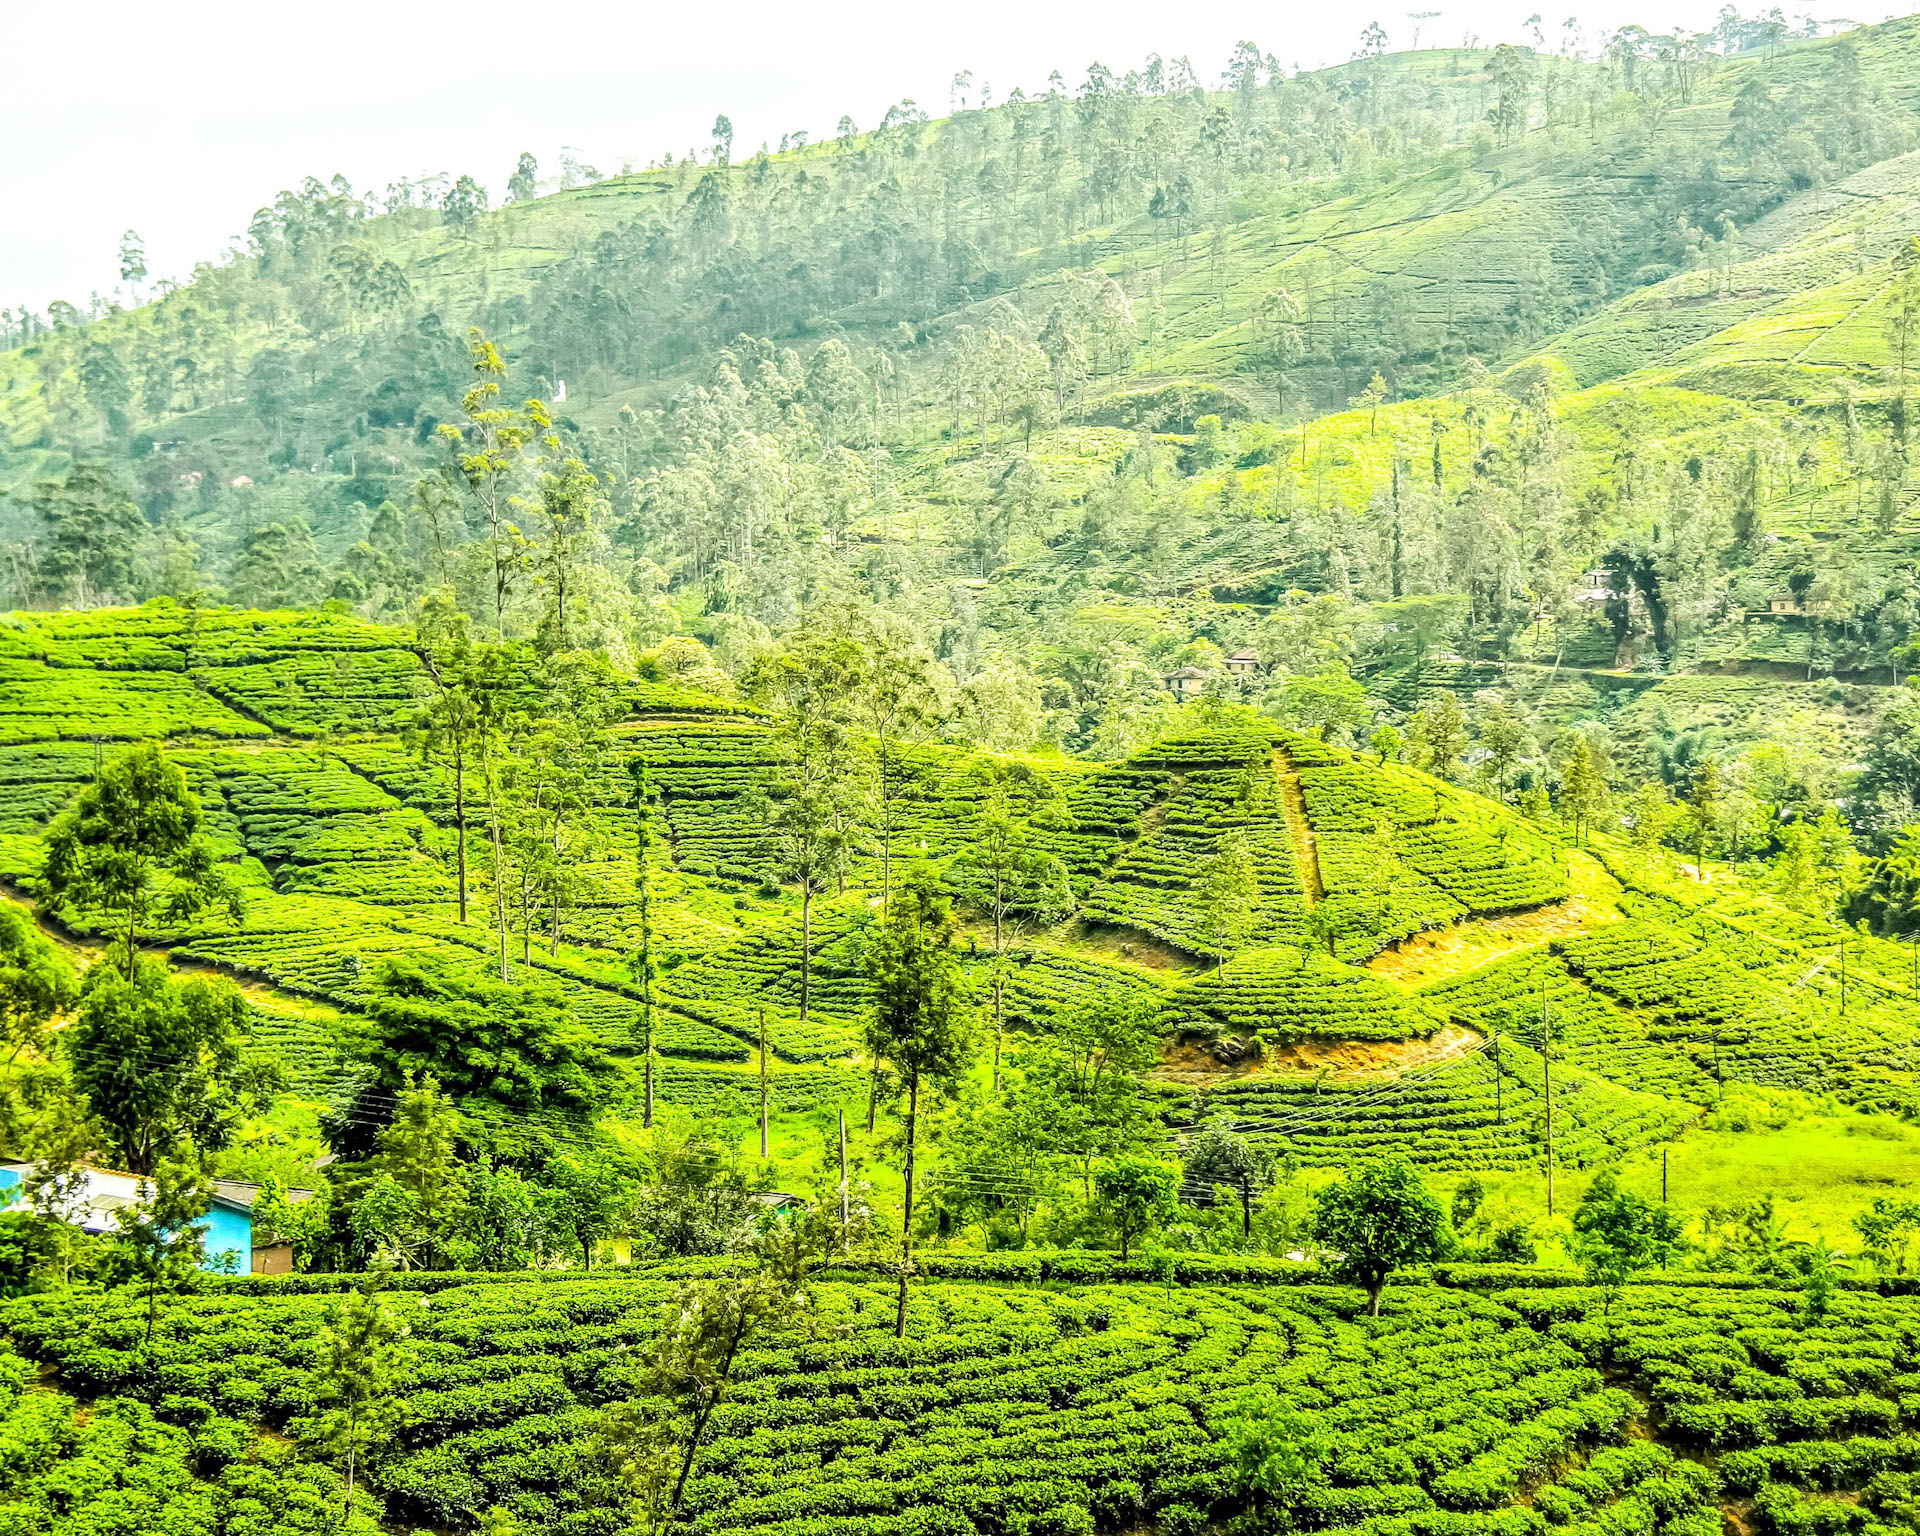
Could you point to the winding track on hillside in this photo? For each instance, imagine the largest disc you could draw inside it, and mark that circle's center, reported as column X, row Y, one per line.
column 1305, row 852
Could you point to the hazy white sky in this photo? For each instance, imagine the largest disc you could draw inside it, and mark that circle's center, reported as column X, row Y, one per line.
column 180, row 120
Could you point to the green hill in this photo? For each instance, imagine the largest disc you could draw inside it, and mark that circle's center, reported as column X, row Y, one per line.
column 872, row 814
column 342, row 840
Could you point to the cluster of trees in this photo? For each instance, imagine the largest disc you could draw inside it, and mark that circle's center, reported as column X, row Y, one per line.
column 960, row 247
column 151, row 1073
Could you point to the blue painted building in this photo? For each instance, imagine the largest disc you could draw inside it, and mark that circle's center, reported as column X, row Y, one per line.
column 229, row 1221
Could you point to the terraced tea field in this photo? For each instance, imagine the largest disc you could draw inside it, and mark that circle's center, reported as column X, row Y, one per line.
column 342, row 840
column 1506, row 1409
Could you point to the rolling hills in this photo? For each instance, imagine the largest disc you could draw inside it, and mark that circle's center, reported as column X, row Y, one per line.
column 341, row 839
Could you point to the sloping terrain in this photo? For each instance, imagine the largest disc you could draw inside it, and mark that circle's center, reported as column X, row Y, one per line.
column 343, row 841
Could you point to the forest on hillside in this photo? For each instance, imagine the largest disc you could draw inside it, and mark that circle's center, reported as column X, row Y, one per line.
column 1186, row 804
column 1084, row 388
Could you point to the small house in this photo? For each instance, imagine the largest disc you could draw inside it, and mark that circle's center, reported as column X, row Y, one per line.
column 1187, row 683
column 1596, row 586
column 229, row 1220
column 1791, row 606
column 1243, row 663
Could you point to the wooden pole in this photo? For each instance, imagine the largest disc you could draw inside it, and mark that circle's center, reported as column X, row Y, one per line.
column 845, row 1214
column 643, row 837
column 1499, row 1094
column 1663, row 1175
column 763, row 1082
column 1546, row 1074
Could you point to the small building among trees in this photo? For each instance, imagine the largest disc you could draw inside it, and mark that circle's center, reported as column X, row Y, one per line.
column 230, row 1244
column 1187, row 683
column 1791, row 604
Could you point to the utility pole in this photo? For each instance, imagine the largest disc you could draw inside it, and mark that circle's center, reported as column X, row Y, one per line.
column 1499, row 1098
column 845, row 1214
column 1546, row 1076
column 763, row 1082
column 643, row 838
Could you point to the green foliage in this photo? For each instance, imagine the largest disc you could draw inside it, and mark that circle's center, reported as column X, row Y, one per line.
column 1226, row 894
column 133, row 844
column 1053, row 1400
column 1135, row 1196
column 690, row 1365
column 156, row 1235
column 1888, row 899
column 1283, row 996
column 516, row 1045
column 93, row 529
column 587, row 1197
column 362, row 1361
column 416, row 1151
column 1220, row 1158
column 921, row 1020
column 921, row 1023
column 160, row 1057
column 1273, row 1455
column 36, row 982
column 1616, row 1233
column 116, row 1468
column 1377, row 1219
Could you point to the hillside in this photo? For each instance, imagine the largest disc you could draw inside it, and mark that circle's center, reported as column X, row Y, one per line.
column 908, row 362
column 1558, row 1003
column 341, row 841
column 1186, row 807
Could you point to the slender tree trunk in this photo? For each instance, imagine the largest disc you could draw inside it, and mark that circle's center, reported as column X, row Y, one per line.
column 999, row 1022
column 499, row 885
column 906, row 1207
column 700, row 1421
column 763, row 1082
column 526, row 916
column 999, row 971
column 886, row 832
column 1546, row 1077
column 460, row 824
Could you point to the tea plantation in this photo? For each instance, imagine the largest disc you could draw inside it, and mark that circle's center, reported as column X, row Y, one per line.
column 1027, row 1393
column 342, row 838
column 1087, row 1403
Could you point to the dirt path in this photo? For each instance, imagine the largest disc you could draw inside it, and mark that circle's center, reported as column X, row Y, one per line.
column 1305, row 853
column 84, row 951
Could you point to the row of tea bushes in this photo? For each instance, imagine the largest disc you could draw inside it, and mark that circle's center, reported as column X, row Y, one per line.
column 1003, row 1408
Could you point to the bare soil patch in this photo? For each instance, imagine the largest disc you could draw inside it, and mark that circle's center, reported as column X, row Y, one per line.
column 1440, row 953
column 1189, row 1063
